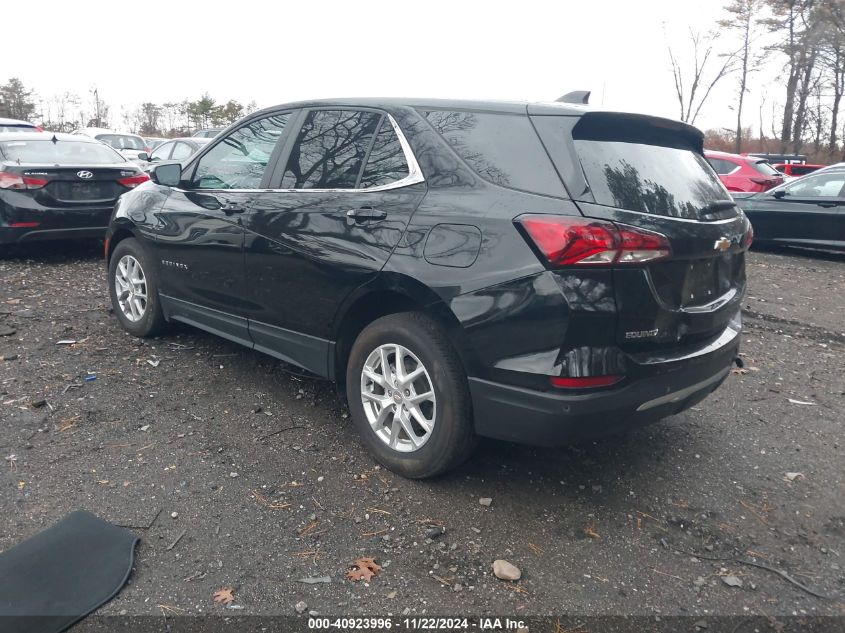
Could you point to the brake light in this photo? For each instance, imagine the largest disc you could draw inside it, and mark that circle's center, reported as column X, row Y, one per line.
column 133, row 181
column 16, row 181
column 584, row 382
column 570, row 241
column 23, row 225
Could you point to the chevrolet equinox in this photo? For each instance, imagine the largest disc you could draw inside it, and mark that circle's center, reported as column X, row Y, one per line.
column 529, row 272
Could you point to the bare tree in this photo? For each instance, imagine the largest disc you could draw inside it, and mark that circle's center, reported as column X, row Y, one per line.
column 744, row 18
column 692, row 88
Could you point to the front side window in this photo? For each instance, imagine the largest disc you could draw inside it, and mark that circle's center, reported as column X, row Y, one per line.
column 386, row 163
column 182, row 150
column 819, row 186
column 330, row 150
column 162, row 152
column 239, row 160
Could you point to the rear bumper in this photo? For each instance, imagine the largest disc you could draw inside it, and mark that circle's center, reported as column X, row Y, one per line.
column 52, row 224
column 17, row 235
column 552, row 418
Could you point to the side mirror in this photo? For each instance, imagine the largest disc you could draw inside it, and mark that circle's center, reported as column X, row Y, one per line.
column 143, row 156
column 167, row 174
column 780, row 193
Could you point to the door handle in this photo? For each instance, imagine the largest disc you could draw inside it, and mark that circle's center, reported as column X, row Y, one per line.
column 229, row 208
column 364, row 214
column 828, row 205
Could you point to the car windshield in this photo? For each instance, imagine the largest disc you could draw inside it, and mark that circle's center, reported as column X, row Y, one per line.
column 122, row 141
column 46, row 152
column 765, row 168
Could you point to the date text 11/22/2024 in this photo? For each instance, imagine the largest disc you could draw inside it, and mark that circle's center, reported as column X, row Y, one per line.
column 417, row 624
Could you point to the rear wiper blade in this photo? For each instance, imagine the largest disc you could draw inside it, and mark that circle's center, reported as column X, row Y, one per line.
column 718, row 205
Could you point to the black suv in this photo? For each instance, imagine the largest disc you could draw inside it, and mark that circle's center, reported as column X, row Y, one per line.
column 529, row 272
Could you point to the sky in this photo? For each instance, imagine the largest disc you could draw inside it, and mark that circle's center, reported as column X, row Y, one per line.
column 273, row 52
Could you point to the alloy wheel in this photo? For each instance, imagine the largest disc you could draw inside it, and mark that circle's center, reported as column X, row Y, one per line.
column 398, row 397
column 130, row 286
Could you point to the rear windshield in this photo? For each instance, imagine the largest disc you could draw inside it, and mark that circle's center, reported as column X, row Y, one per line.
column 47, row 152
column 122, row 141
column 765, row 168
column 649, row 178
column 6, row 127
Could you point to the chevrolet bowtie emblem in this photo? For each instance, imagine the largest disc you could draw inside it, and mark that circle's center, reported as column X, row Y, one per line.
column 722, row 244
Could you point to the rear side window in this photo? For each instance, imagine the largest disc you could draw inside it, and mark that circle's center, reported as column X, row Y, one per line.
column 501, row 148
column 60, row 152
column 386, row 163
column 330, row 149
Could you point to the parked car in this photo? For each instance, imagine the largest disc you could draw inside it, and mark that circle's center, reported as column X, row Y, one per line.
column 178, row 149
column 807, row 212
column 58, row 186
column 130, row 146
column 744, row 173
column 427, row 257
column 796, row 170
column 15, row 125
column 208, row 132
column 153, row 141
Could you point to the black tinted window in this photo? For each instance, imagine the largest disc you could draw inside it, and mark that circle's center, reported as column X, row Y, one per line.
column 649, row 178
column 386, row 162
column 330, row 150
column 239, row 160
column 501, row 148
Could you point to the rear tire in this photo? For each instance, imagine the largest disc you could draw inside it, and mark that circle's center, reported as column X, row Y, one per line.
column 134, row 290
column 416, row 421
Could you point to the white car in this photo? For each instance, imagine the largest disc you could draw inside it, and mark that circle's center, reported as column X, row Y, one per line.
column 14, row 125
column 131, row 146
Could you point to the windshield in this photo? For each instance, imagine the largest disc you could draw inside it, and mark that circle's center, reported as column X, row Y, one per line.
column 123, row 141
column 59, row 153
column 11, row 127
column 652, row 179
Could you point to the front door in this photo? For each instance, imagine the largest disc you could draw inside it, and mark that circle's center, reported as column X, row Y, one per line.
column 808, row 211
column 347, row 189
column 200, row 234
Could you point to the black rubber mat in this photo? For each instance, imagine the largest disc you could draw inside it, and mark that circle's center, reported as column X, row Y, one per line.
column 62, row 574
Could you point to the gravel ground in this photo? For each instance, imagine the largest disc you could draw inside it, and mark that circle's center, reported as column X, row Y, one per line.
column 261, row 474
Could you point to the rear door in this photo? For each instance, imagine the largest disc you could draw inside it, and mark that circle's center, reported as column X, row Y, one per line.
column 651, row 174
column 808, row 211
column 200, row 234
column 347, row 186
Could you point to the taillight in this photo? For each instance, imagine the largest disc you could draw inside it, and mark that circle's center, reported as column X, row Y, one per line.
column 769, row 182
column 16, row 181
column 133, row 181
column 571, row 241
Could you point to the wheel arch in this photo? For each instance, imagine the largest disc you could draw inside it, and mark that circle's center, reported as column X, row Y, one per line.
column 390, row 294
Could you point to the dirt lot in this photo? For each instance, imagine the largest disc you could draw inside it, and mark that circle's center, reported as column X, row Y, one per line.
column 262, row 472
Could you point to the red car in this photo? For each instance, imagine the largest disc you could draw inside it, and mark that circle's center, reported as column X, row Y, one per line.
column 796, row 170
column 744, row 173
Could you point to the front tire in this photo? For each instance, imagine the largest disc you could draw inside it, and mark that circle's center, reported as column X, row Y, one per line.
column 134, row 290
column 409, row 397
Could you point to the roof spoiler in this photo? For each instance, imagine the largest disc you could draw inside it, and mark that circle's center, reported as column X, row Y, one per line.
column 576, row 96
